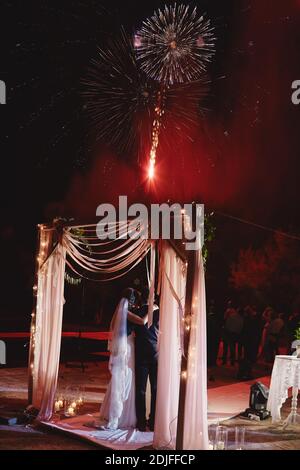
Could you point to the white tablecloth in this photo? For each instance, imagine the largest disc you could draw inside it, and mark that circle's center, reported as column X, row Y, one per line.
column 285, row 374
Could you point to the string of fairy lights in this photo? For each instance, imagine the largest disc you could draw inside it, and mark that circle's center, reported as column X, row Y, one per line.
column 188, row 324
column 43, row 252
column 45, row 248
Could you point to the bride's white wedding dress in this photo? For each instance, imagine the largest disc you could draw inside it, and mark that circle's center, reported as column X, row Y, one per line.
column 118, row 408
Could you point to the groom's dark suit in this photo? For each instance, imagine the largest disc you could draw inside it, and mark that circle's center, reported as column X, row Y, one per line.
column 146, row 358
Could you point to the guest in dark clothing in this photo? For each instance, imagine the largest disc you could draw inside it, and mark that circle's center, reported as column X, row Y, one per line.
column 249, row 340
column 231, row 333
column 213, row 335
column 257, row 331
column 273, row 336
column 146, row 359
column 292, row 324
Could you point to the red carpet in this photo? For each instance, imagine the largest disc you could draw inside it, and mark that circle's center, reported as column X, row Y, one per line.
column 98, row 335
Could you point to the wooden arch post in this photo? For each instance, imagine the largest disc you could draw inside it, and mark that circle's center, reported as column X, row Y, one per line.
column 42, row 255
column 33, row 319
column 190, row 256
column 186, row 339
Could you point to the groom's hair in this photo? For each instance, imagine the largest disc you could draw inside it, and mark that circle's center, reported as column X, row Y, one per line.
column 145, row 294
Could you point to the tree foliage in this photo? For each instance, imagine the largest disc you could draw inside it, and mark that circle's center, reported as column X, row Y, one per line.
column 271, row 273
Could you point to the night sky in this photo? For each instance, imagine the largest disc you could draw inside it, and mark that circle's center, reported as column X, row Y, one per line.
column 242, row 158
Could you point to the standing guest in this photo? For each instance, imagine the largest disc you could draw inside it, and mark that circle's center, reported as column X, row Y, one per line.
column 292, row 324
column 266, row 320
column 249, row 335
column 257, row 331
column 225, row 340
column 231, row 335
column 267, row 313
column 240, row 345
column 229, row 310
column 273, row 336
column 213, row 337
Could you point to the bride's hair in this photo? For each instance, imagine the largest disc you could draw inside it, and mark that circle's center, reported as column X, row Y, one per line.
column 129, row 294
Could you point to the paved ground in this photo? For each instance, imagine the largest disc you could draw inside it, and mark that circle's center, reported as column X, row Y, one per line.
column 13, row 396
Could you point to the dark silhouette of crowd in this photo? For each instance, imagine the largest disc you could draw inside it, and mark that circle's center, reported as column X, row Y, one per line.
column 244, row 336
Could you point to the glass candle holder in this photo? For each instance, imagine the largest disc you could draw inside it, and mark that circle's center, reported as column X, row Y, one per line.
column 58, row 404
column 80, row 397
column 212, row 429
column 221, row 442
column 71, row 404
column 70, row 408
column 239, row 438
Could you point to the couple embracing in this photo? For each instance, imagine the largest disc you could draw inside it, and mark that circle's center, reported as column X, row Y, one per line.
column 133, row 358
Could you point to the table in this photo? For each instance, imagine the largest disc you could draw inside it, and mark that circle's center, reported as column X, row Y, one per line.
column 285, row 375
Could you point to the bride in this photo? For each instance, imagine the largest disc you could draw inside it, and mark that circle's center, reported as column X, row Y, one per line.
column 118, row 408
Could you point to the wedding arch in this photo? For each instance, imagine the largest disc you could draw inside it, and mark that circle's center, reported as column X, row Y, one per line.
column 181, row 410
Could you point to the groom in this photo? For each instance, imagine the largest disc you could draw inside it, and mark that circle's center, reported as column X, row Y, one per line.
column 146, row 359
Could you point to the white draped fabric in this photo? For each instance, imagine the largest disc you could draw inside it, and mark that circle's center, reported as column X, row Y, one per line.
column 195, row 425
column 113, row 259
column 171, row 308
column 83, row 426
column 173, row 277
column 89, row 254
column 47, row 338
column 151, row 284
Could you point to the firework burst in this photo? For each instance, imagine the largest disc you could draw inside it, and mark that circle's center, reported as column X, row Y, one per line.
column 119, row 98
column 128, row 110
column 175, row 45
